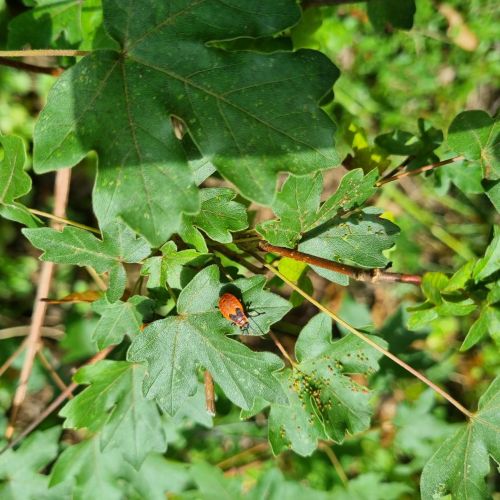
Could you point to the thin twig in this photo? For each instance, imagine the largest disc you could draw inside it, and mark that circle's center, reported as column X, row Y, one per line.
column 237, row 258
column 61, row 192
column 12, row 357
column 231, row 461
column 97, row 279
column 370, row 275
column 209, row 393
column 63, row 220
column 43, row 53
column 306, row 4
column 44, row 70
column 57, row 402
column 283, row 351
column 335, row 462
column 52, row 372
column 366, row 339
column 419, row 170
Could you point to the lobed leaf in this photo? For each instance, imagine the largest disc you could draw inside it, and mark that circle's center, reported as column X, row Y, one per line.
column 175, row 346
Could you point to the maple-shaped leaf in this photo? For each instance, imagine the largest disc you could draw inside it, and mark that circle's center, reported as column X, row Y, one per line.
column 299, row 210
column 170, row 266
column 20, row 470
column 260, row 111
column 113, row 405
column 461, row 463
column 175, row 346
column 325, row 402
column 218, row 217
column 89, row 472
column 79, row 247
column 119, row 319
column 476, row 135
column 14, row 181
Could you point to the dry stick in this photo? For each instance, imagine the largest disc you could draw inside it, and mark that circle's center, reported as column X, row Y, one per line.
column 61, row 192
column 370, row 275
column 63, row 220
column 52, row 372
column 43, row 53
column 417, row 171
column 30, row 67
column 209, row 393
column 283, row 351
column 12, row 357
column 335, row 462
column 364, row 338
column 57, row 402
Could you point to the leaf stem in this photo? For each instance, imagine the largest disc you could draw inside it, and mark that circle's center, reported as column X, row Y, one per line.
column 54, row 375
column 283, row 351
column 323, row 446
column 419, row 170
column 63, row 220
column 366, row 339
column 370, row 275
column 44, row 70
column 43, row 53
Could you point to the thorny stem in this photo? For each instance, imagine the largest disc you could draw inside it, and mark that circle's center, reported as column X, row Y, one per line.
column 44, row 70
column 370, row 275
column 366, row 339
column 57, row 402
column 63, row 220
column 417, row 171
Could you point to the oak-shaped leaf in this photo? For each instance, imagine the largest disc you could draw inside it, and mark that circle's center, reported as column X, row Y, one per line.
column 325, row 402
column 20, row 475
column 119, row 319
column 14, row 181
column 113, row 406
column 76, row 246
column 255, row 105
column 218, row 217
column 476, row 135
column 461, row 463
column 175, row 346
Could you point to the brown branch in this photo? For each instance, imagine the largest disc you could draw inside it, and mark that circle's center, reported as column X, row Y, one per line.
column 306, row 4
column 12, row 357
column 52, row 372
column 209, row 393
column 417, row 171
column 233, row 460
column 43, row 53
column 61, row 192
column 44, row 70
column 57, row 402
column 370, row 275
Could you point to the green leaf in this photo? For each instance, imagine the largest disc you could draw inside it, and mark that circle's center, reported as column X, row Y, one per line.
column 324, row 401
column 391, row 13
column 20, row 470
column 119, row 319
column 14, row 181
column 296, row 205
column 460, row 278
column 476, row 135
column 114, row 406
column 371, row 485
column 118, row 103
column 218, row 216
column 173, row 347
column 79, row 247
column 490, row 263
column 170, row 266
column 492, row 190
column 90, row 472
column 213, row 485
column 477, row 331
column 359, row 240
column 432, row 285
column 461, row 463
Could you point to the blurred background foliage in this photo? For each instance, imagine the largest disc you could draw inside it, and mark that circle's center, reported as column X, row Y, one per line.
column 448, row 62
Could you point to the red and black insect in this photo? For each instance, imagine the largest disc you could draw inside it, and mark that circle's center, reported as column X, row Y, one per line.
column 234, row 311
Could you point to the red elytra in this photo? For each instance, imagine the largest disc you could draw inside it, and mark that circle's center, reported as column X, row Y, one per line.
column 232, row 309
